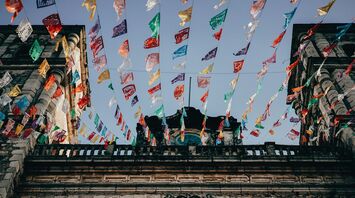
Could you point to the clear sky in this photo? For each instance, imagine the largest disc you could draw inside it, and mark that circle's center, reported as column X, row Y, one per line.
column 200, row 42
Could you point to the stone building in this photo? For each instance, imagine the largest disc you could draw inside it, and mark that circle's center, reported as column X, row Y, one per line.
column 331, row 119
column 46, row 115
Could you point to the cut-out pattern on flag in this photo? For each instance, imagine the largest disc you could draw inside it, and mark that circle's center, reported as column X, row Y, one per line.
column 90, row 6
column 124, row 49
column 185, row 16
column 179, row 77
column 182, row 51
column 179, row 91
column 126, row 77
column 211, row 54
column 154, row 77
column 53, row 24
column 151, row 4
column 120, row 29
column 182, row 35
column 325, row 9
column 243, row 51
column 5, row 80
column 36, row 50
column 24, row 29
column 119, row 6
column 238, row 65
column 99, row 62
column 203, row 81
column 218, row 34
column 129, row 90
column 154, row 89
column 94, row 30
column 105, row 75
column 151, row 42
column 154, row 25
column 44, row 3
column 96, row 45
column 43, row 68
column 218, row 19
column 151, row 61
column 14, row 7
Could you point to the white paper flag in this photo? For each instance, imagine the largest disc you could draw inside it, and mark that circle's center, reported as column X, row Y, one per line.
column 24, row 30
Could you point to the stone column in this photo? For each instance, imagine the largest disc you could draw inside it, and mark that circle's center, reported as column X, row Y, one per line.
column 46, row 96
column 345, row 83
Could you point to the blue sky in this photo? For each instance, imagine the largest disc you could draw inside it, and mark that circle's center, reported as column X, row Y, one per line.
column 200, row 42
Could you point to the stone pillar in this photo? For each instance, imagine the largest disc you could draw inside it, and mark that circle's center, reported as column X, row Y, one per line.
column 332, row 95
column 31, row 86
column 345, row 83
column 46, row 96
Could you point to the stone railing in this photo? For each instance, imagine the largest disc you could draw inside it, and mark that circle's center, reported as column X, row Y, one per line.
column 121, row 152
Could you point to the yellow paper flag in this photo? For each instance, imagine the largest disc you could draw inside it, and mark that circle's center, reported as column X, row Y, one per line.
column 138, row 112
column 105, row 75
column 43, row 68
column 19, row 129
column 91, row 7
column 185, row 15
column 154, row 77
column 324, row 10
column 15, row 91
column 207, row 70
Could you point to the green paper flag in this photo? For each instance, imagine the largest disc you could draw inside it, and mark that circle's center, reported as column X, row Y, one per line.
column 228, row 95
column 72, row 113
column 312, row 102
column 160, row 111
column 259, row 126
column 36, row 50
column 154, row 25
column 110, row 86
column 218, row 19
column 56, row 128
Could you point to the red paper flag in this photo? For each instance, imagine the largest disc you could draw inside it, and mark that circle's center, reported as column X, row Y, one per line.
column 312, row 31
column 204, row 97
column 293, row 65
column 203, row 81
column 278, row 39
column 85, row 100
column 124, row 49
column 53, row 24
column 297, row 133
column 79, row 88
column 119, row 120
column 13, row 6
column 129, row 90
column 218, row 34
column 49, row 83
column 182, row 35
column 238, row 65
column 151, row 43
column 96, row 45
column 179, row 91
column 297, row 89
column 349, row 68
column 154, row 89
column 255, row 133
column 32, row 111
column 58, row 92
column 327, row 50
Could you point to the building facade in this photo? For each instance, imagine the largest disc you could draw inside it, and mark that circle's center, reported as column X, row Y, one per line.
column 326, row 106
column 39, row 93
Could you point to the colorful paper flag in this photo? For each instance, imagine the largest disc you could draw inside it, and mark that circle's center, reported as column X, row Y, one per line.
column 154, row 89
column 160, row 111
column 343, row 30
column 134, row 100
column 36, row 50
column 155, row 76
column 217, row 35
column 129, row 90
column 185, row 16
column 203, row 81
column 154, row 25
column 53, row 24
column 120, row 29
column 151, row 61
column 272, row 59
column 288, row 17
column 5, row 80
column 94, row 31
column 243, row 51
column 58, row 92
column 178, row 91
column 83, row 102
column 257, row 7
column 182, row 35
column 255, row 133
column 211, row 54
column 218, row 19
column 15, row 91
column 119, row 6
column 347, row 71
column 96, row 45
column 278, row 39
column 151, row 4
column 90, row 7
column 99, row 62
column 45, row 3
column 179, row 77
column 14, row 7
column 75, row 77
column 207, row 70
column 238, row 65
column 126, row 77
column 182, row 51
column 43, row 68
column 24, row 29
column 124, row 49
column 325, row 9
column 50, row 82
column 151, row 42
column 221, row 3
column 105, row 75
